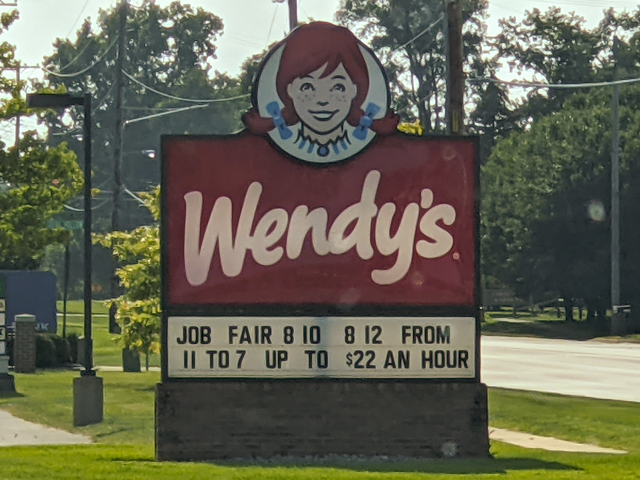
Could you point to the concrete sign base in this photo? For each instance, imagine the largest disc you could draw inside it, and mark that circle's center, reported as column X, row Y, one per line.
column 255, row 418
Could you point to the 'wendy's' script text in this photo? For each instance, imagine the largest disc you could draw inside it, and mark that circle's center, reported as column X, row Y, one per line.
column 277, row 223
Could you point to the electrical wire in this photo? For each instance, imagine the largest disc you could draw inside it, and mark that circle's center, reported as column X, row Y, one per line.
column 555, row 85
column 77, row 18
column 78, row 55
column 589, row 3
column 420, row 34
column 133, row 195
column 173, row 97
column 275, row 11
column 73, row 209
column 67, row 75
column 162, row 114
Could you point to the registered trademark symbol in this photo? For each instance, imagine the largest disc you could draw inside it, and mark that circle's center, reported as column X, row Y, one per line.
column 456, row 256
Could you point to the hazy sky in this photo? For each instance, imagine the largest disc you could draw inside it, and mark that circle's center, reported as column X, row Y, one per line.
column 250, row 25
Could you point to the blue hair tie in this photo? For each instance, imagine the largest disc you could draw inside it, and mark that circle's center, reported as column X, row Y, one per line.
column 273, row 109
column 366, row 121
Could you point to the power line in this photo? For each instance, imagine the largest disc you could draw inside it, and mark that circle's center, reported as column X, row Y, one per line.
column 78, row 55
column 420, row 34
column 74, row 209
column 162, row 114
column 554, row 85
column 77, row 18
column 67, row 75
column 273, row 18
column 173, row 97
column 133, row 195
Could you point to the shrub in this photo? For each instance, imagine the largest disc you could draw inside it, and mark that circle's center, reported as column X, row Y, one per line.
column 72, row 338
column 45, row 351
column 9, row 349
column 63, row 356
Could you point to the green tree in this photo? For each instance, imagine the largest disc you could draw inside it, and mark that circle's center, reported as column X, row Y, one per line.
column 546, row 202
column 168, row 50
column 35, row 181
column 408, row 36
column 138, row 311
column 559, row 48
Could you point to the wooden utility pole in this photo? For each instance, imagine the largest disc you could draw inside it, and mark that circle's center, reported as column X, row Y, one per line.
column 293, row 14
column 455, row 77
column 615, row 186
column 117, row 153
column 17, row 142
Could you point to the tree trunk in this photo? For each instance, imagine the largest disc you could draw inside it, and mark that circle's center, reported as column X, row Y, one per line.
column 568, row 309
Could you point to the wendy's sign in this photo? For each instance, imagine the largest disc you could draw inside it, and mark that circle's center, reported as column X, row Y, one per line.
column 247, row 225
column 320, row 244
column 321, row 204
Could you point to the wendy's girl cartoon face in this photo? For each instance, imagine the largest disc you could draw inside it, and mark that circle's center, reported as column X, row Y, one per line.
column 323, row 102
column 320, row 95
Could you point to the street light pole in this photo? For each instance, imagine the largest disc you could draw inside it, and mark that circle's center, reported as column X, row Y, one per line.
column 88, row 340
column 88, row 391
column 615, row 187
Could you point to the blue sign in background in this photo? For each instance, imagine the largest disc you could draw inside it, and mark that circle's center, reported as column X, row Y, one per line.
column 32, row 293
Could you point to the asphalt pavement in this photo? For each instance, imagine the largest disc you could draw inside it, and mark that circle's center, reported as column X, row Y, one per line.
column 568, row 367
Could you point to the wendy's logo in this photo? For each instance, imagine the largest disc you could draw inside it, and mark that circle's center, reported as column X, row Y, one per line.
column 321, row 95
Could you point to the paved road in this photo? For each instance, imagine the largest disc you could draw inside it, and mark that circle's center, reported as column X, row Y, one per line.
column 587, row 369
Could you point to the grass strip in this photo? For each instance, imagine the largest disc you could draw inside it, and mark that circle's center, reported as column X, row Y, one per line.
column 125, row 439
column 102, row 462
column 47, row 397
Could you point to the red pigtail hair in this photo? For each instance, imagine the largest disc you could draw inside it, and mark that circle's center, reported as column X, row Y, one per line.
column 261, row 126
column 387, row 124
column 257, row 124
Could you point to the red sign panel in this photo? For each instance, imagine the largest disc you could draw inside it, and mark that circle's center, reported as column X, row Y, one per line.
column 245, row 224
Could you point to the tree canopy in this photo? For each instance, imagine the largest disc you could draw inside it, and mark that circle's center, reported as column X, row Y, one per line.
column 409, row 37
column 35, row 181
column 167, row 66
column 546, row 188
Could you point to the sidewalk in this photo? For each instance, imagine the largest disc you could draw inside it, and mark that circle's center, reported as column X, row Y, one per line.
column 15, row 431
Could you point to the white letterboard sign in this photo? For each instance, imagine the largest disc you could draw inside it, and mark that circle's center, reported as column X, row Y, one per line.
column 333, row 347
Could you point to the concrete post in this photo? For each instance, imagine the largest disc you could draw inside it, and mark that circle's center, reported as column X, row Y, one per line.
column 24, row 347
column 88, row 400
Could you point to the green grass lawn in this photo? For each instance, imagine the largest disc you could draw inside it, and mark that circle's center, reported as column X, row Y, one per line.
column 547, row 325
column 47, row 397
column 124, row 441
column 124, row 447
column 106, row 350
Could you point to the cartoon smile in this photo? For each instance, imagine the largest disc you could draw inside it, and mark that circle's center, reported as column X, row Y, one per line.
column 323, row 115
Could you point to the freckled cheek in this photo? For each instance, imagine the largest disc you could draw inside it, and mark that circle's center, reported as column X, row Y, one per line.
column 304, row 100
column 307, row 98
column 339, row 98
